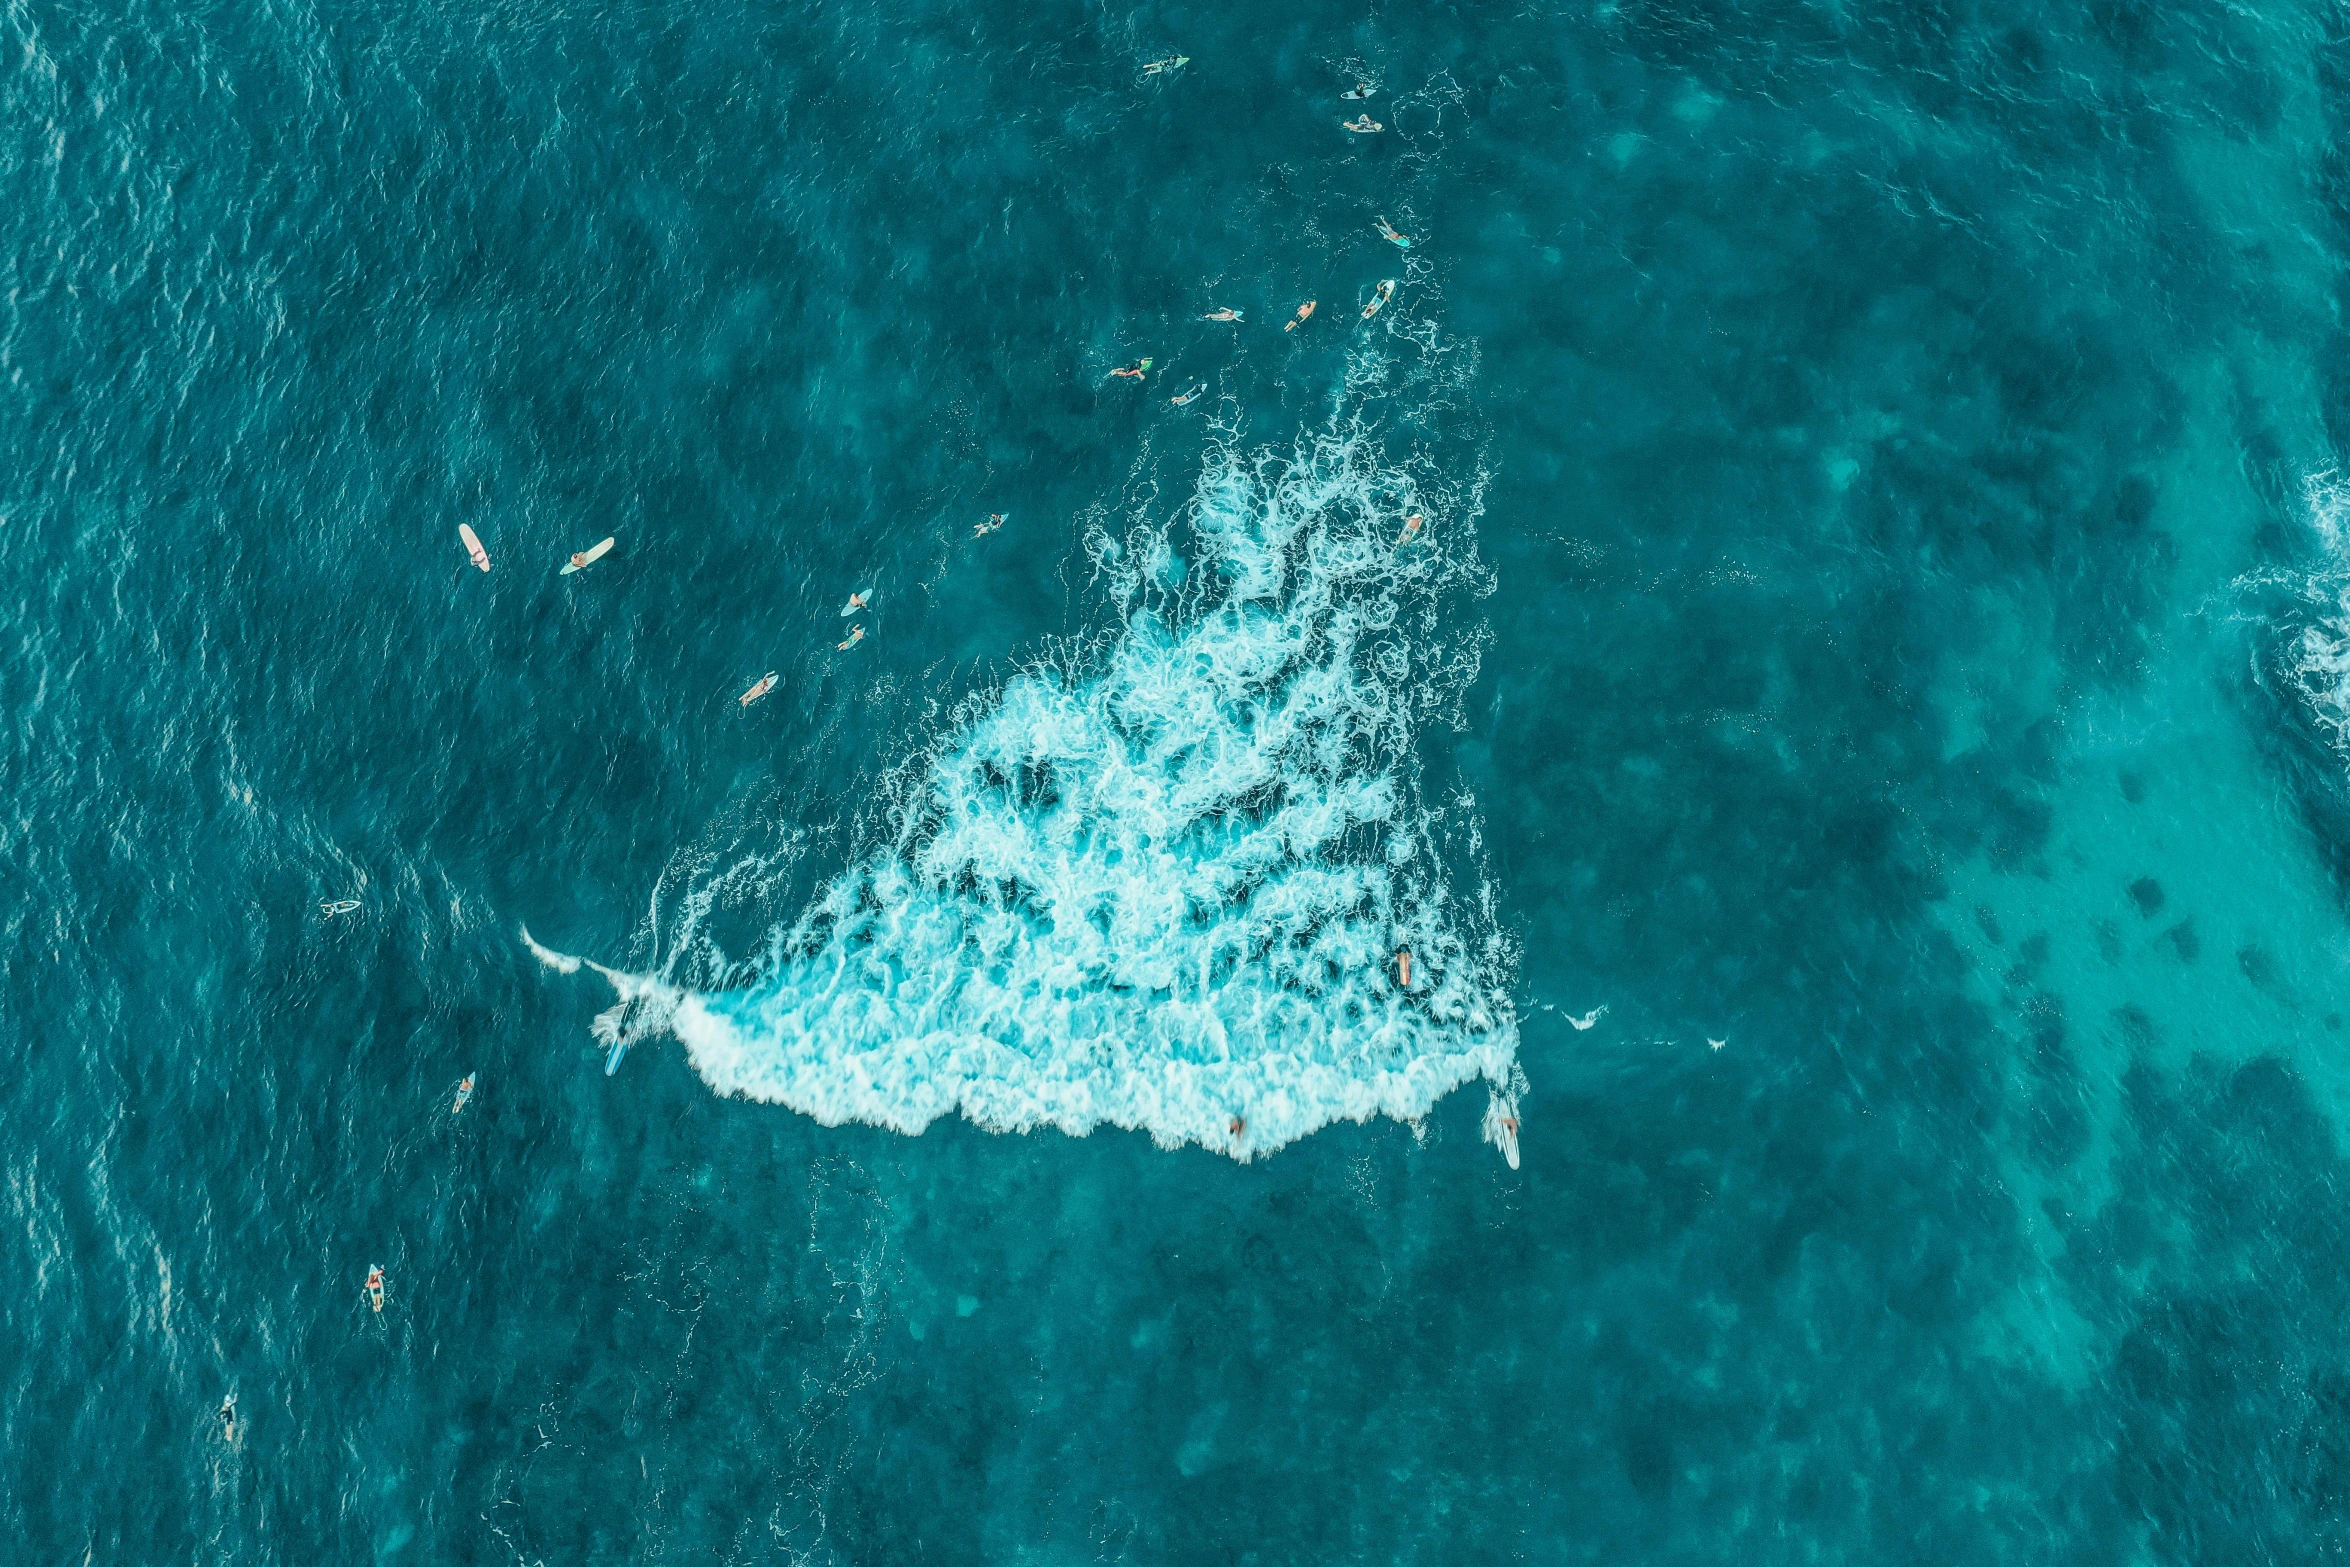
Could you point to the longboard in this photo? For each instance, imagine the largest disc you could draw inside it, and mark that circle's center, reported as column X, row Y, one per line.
column 587, row 558
column 481, row 557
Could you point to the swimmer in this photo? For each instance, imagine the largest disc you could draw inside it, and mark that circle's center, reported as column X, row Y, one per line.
column 1188, row 396
column 1134, row 372
column 1411, row 529
column 1363, row 127
column 1388, row 233
column 1303, row 311
column 1403, row 965
column 765, row 685
column 1384, row 293
column 375, row 1287
column 464, row 1092
column 856, row 635
column 1227, row 313
column 1173, row 62
column 857, row 601
column 980, row 530
column 1358, row 92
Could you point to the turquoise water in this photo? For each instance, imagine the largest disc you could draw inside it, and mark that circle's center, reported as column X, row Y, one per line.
column 1856, row 750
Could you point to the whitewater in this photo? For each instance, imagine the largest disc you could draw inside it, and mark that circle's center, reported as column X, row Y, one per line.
column 1165, row 881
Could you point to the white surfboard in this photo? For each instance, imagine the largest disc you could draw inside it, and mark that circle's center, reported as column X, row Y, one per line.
column 587, row 558
column 481, row 557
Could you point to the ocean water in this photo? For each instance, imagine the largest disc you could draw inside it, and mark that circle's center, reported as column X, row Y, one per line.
column 1856, row 750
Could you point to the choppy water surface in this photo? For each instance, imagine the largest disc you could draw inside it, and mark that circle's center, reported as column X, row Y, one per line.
column 1855, row 749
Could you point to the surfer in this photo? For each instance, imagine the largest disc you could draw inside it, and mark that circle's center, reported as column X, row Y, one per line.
column 1226, row 313
column 857, row 601
column 1238, row 1126
column 1298, row 320
column 464, row 1092
column 481, row 557
column 1403, row 965
column 1384, row 293
column 1133, row 372
column 995, row 520
column 338, row 906
column 1173, row 62
column 1364, row 126
column 1388, row 233
column 765, row 685
column 1411, row 529
column 375, row 1287
column 1188, row 396
column 228, row 1418
column 1358, row 92
column 588, row 557
column 856, row 635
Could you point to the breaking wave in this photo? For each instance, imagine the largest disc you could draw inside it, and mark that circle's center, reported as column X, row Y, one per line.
column 1164, row 882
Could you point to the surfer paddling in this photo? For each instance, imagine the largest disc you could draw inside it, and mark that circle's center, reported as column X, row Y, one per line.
column 1133, row 372
column 765, row 685
column 1186, row 397
column 464, row 1092
column 1299, row 319
column 228, row 1418
column 1387, row 232
column 1364, row 126
column 1173, row 62
column 1227, row 313
column 338, row 906
column 980, row 530
column 588, row 557
column 375, row 1287
column 856, row 635
column 1379, row 296
column 481, row 557
column 1411, row 529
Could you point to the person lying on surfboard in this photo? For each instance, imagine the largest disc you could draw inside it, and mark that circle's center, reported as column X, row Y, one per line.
column 588, row 557
column 1380, row 296
column 1411, row 529
column 1363, row 127
column 1225, row 313
column 375, row 1287
column 464, row 1092
column 1298, row 320
column 1173, row 62
column 995, row 520
column 1185, row 397
column 765, row 685
column 857, row 601
column 856, row 635
column 1134, row 372
column 1388, row 233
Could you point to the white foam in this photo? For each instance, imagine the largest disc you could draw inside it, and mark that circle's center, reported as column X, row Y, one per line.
column 1162, row 887
column 2319, row 659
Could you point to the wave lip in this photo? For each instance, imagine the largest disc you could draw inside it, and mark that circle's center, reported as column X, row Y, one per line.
column 1165, row 888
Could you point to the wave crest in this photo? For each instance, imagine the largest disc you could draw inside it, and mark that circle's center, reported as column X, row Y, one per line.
column 1163, row 884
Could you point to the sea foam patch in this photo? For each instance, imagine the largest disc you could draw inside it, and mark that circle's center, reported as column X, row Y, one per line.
column 1168, row 884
